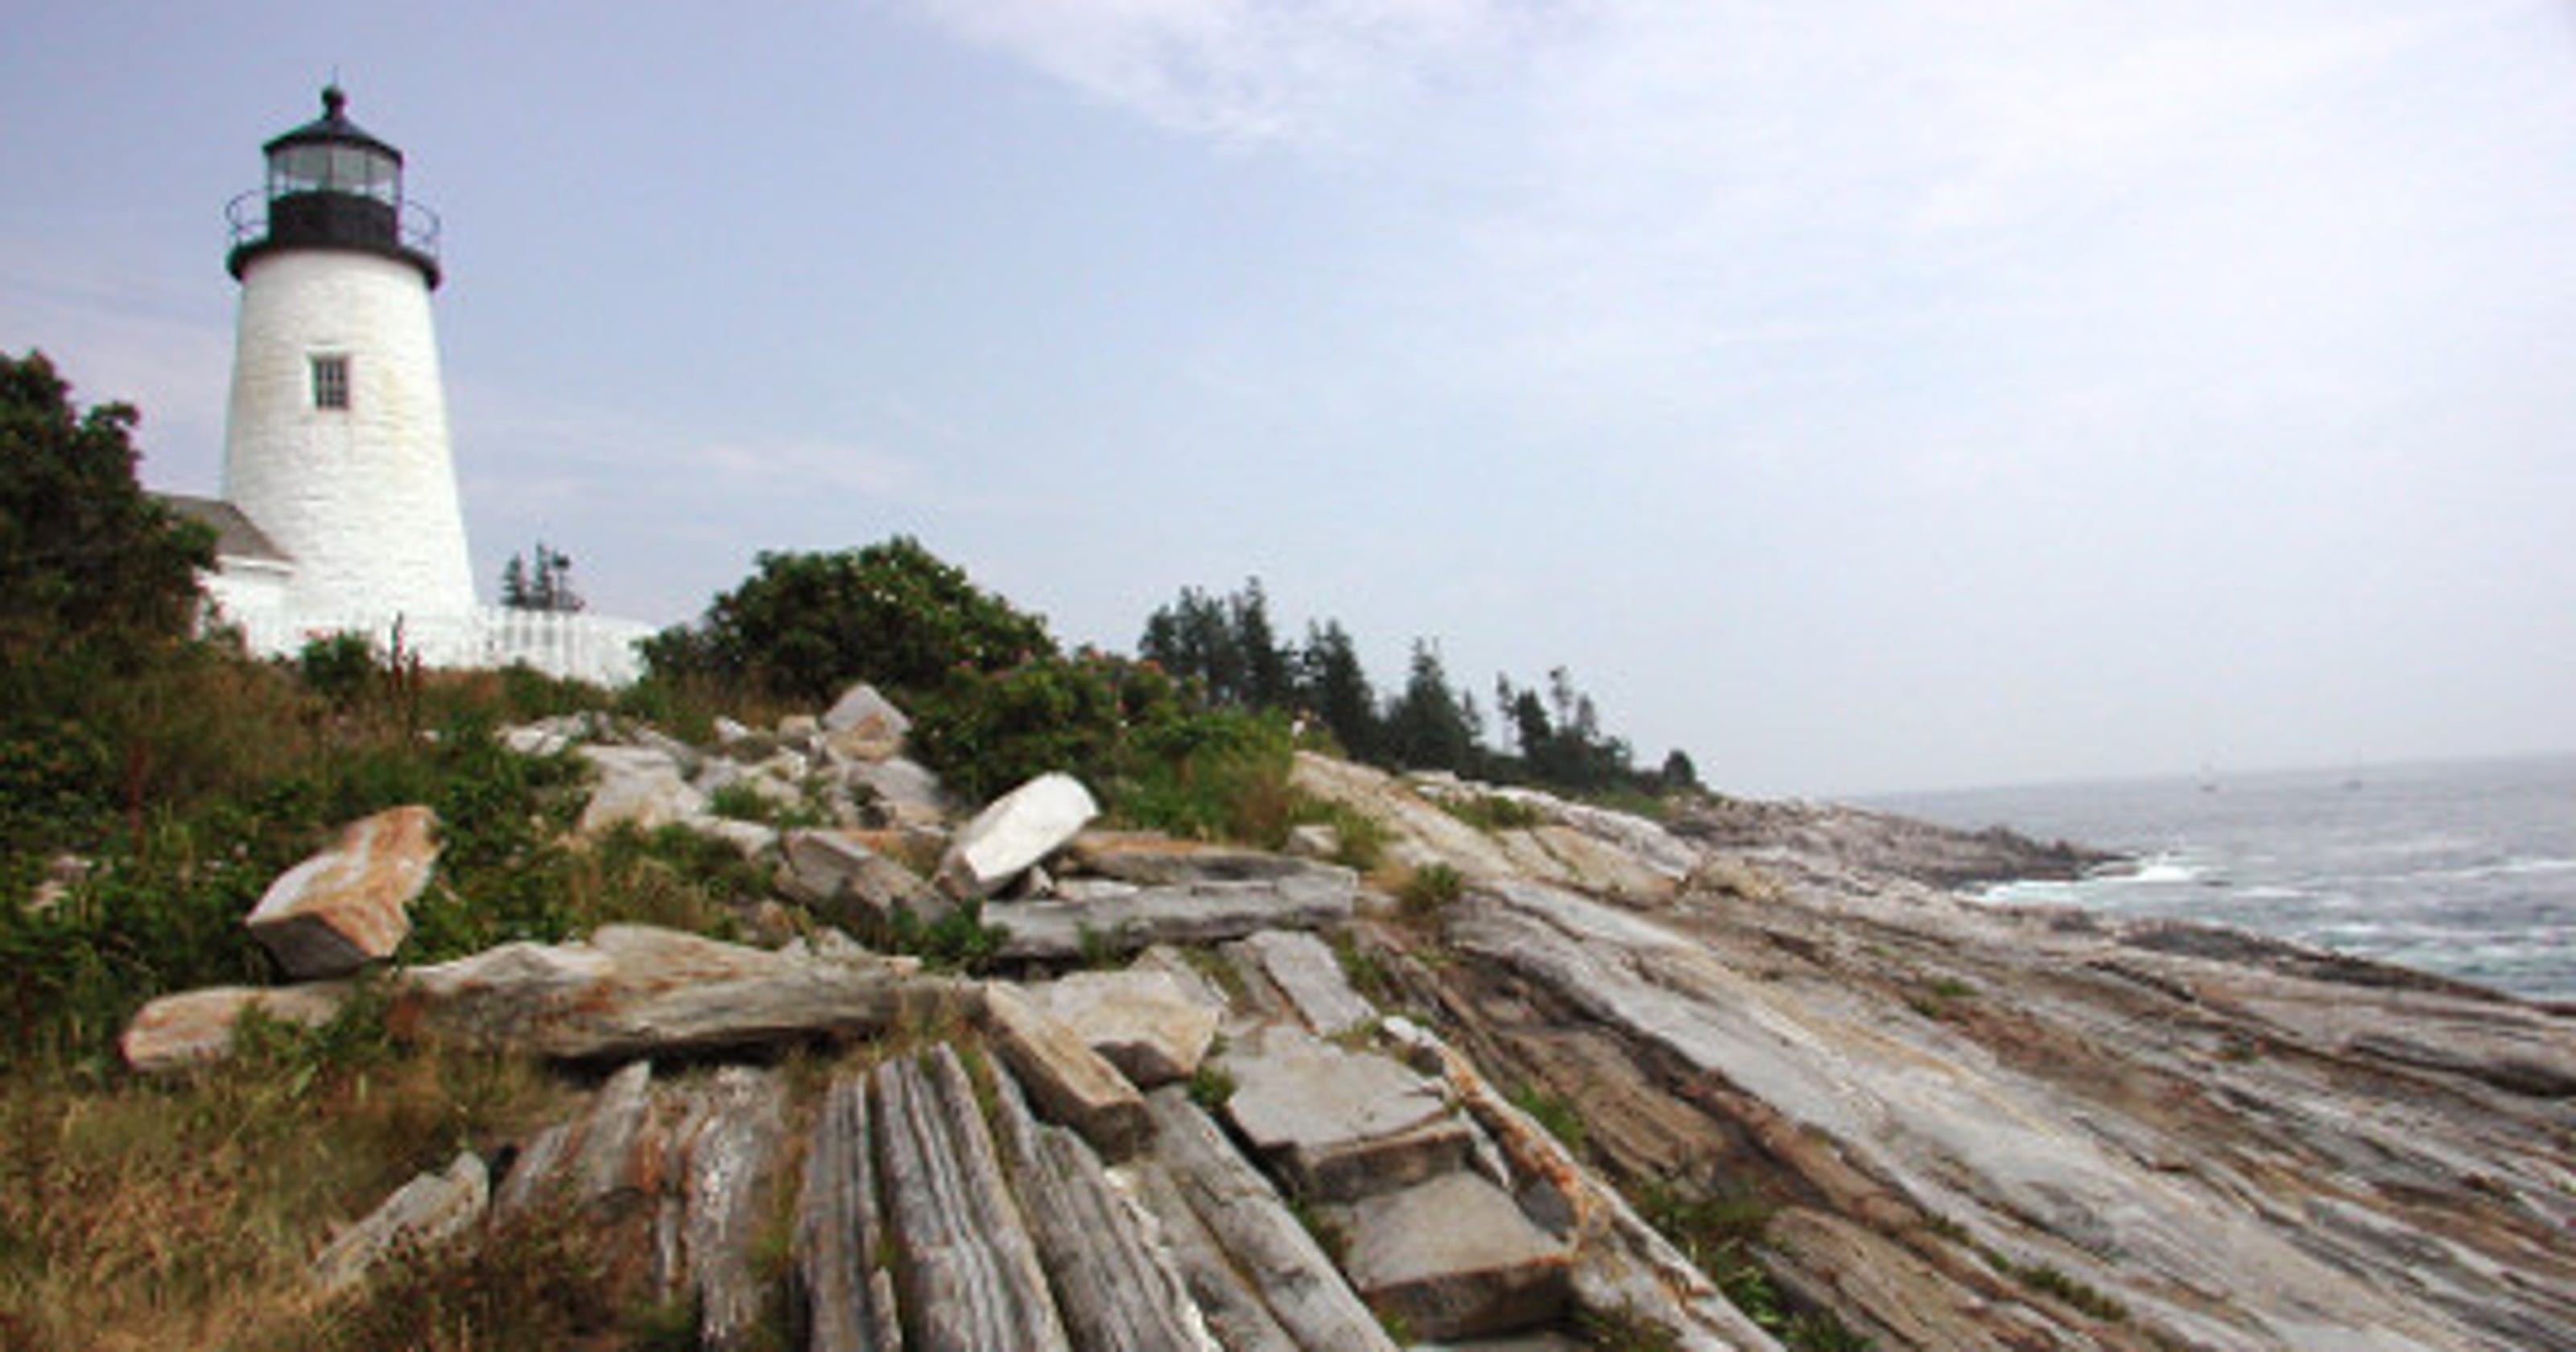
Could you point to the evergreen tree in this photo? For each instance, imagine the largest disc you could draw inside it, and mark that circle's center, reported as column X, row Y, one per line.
column 1332, row 686
column 1268, row 680
column 1430, row 727
column 546, row 586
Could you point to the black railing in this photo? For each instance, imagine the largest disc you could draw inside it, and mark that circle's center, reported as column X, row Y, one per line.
column 415, row 227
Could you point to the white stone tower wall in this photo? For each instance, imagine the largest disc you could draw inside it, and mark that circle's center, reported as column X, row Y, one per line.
column 363, row 499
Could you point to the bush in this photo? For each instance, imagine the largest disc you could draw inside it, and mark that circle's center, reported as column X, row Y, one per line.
column 1125, row 729
column 806, row 625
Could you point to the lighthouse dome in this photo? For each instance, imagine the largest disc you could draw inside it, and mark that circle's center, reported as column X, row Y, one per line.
column 333, row 185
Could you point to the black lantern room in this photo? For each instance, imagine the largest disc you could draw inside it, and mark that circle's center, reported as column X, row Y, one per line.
column 331, row 185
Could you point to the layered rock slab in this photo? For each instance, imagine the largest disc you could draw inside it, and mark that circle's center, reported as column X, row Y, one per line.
column 1195, row 913
column 1114, row 1288
column 632, row 990
column 844, row 1293
column 969, row 1276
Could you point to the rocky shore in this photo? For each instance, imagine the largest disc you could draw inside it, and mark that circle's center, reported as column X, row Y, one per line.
column 1749, row 1078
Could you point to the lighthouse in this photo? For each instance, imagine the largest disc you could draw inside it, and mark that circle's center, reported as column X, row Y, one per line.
column 335, row 441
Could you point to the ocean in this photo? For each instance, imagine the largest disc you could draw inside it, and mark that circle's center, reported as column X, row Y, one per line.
column 2464, row 869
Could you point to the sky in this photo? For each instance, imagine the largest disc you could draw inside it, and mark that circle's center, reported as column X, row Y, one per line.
column 1864, row 397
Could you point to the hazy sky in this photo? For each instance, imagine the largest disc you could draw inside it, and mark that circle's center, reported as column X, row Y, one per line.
column 1862, row 396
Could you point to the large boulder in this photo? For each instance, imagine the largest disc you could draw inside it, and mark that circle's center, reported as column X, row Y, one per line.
column 1010, row 837
column 349, row 905
column 845, row 880
column 906, row 793
column 638, row 785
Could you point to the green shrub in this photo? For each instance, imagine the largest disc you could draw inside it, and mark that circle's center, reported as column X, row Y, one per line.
column 805, row 625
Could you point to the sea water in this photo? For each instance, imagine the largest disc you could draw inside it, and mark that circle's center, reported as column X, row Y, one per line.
column 2464, row 869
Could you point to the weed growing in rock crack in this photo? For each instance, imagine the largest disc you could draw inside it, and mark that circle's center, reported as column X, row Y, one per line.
column 2050, row 1280
column 1719, row 1233
column 1428, row 892
column 1940, row 998
column 1556, row 1114
column 1494, row 812
column 1329, row 1234
column 1367, row 970
column 959, row 941
column 1210, row 1086
column 1625, row 1329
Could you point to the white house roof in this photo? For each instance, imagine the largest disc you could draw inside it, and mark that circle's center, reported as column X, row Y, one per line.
column 235, row 536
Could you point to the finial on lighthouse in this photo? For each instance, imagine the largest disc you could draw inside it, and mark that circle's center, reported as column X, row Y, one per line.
column 333, row 98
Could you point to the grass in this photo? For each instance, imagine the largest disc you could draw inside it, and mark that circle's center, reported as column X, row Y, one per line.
column 1494, row 812
column 2054, row 1282
column 140, row 1214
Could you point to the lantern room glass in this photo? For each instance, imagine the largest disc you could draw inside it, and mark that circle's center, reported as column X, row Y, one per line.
column 322, row 166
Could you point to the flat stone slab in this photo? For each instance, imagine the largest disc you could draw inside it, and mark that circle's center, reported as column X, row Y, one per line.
column 1304, row 970
column 1143, row 1020
column 1340, row 1125
column 195, row 1028
column 1201, row 913
column 1454, row 1258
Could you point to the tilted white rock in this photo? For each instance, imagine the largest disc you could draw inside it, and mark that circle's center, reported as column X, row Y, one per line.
column 1015, row 833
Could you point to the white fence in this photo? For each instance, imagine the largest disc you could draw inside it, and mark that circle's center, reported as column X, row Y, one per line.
column 591, row 648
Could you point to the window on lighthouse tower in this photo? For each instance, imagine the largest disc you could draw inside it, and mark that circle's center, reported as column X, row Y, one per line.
column 331, row 381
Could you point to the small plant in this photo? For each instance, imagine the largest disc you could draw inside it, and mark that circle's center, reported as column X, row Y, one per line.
column 741, row 802
column 1555, row 1114
column 1210, row 1086
column 1329, row 1234
column 2050, row 1280
column 1367, row 971
column 959, row 941
column 1940, row 998
column 1428, row 892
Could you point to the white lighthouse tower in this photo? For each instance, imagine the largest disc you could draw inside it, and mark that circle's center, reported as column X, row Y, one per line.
column 335, row 445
